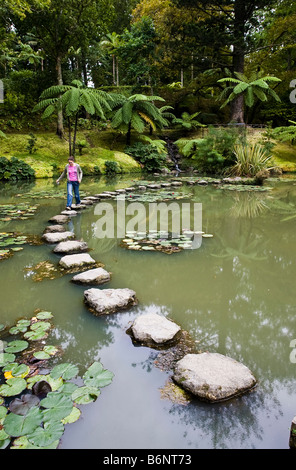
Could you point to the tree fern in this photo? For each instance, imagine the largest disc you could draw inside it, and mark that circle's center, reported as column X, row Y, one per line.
column 250, row 88
column 71, row 99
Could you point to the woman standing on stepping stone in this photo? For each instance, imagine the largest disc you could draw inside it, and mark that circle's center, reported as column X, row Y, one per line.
column 74, row 177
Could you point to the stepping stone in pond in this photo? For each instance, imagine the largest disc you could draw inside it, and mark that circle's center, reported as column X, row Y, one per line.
column 69, row 213
column 87, row 202
column 106, row 301
column 104, row 196
column 92, row 277
column 77, row 260
column 177, row 183
column 71, row 246
column 78, row 207
column 55, row 228
column 153, row 329
column 56, row 237
column 212, row 376
column 59, row 219
column 154, row 186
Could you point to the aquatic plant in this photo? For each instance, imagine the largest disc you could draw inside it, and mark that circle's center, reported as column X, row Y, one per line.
column 35, row 407
column 161, row 241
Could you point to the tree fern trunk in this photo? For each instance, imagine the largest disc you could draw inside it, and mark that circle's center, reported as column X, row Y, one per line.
column 60, row 126
column 70, row 143
column 237, row 108
column 128, row 135
column 74, row 137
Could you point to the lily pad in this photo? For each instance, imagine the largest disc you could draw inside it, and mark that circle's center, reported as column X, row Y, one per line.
column 6, row 358
column 23, row 443
column 43, row 437
column 85, row 395
column 97, row 376
column 18, row 425
column 21, row 406
column 44, row 315
column 67, row 371
column 57, row 405
column 73, row 416
column 12, row 387
column 17, row 370
column 16, row 346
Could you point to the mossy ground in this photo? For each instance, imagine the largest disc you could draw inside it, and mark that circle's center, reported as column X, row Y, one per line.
column 51, row 153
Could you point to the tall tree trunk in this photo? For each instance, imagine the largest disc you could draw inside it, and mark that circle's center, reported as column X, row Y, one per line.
column 74, row 137
column 114, row 69
column 117, row 72
column 70, row 144
column 128, row 134
column 237, row 108
column 60, row 126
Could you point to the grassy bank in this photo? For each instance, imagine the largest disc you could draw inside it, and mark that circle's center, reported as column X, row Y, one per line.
column 50, row 153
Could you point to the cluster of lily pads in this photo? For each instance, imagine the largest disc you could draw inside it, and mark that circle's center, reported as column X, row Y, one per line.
column 21, row 211
column 244, row 187
column 35, row 406
column 47, row 194
column 148, row 196
column 158, row 240
column 10, row 242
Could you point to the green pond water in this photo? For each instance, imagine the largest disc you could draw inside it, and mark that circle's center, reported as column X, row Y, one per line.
column 234, row 295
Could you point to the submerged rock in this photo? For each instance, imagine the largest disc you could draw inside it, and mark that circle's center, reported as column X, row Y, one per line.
column 106, row 301
column 56, row 237
column 212, row 376
column 92, row 276
column 71, row 246
column 154, row 329
column 73, row 261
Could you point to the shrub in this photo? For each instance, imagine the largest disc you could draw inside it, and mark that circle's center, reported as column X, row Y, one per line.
column 250, row 159
column 212, row 153
column 112, row 167
column 15, row 169
column 147, row 155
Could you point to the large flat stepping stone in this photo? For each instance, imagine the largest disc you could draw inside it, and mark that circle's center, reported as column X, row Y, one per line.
column 55, row 228
column 56, row 237
column 106, row 301
column 71, row 246
column 74, row 261
column 59, row 219
column 153, row 328
column 69, row 213
column 212, row 376
column 92, row 277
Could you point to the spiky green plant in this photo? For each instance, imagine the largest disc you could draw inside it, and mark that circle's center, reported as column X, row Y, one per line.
column 250, row 159
column 135, row 112
column 72, row 99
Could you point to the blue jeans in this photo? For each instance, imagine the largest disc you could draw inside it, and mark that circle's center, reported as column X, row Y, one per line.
column 72, row 185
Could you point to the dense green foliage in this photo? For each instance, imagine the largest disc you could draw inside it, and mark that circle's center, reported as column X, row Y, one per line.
column 146, row 66
column 147, row 155
column 15, row 169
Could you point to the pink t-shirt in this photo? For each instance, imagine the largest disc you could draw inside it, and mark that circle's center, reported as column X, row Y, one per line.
column 72, row 171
